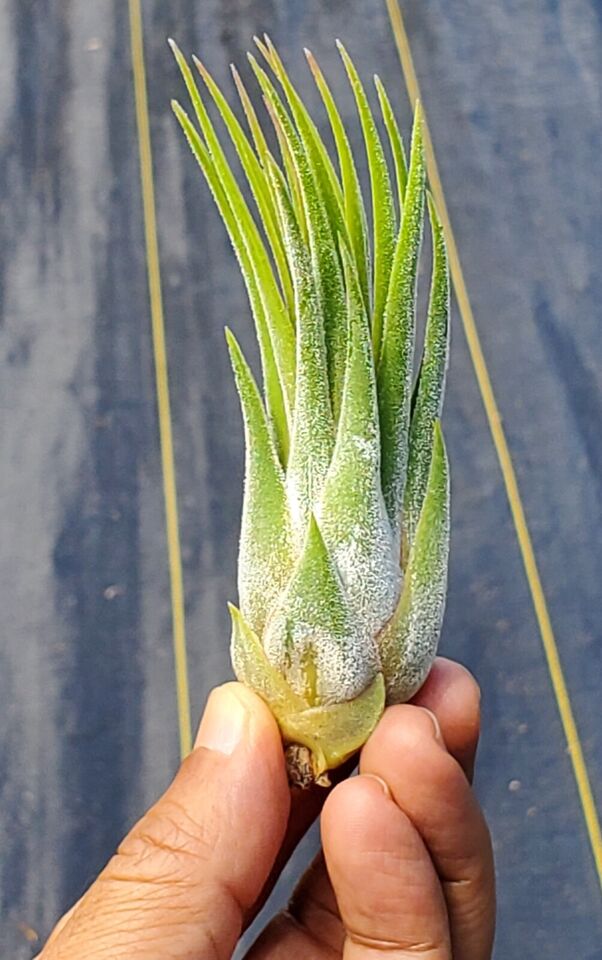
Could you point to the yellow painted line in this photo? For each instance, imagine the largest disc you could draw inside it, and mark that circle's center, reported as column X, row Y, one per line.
column 503, row 453
column 174, row 556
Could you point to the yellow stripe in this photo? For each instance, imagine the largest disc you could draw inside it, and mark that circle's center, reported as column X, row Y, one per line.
column 501, row 445
column 161, row 377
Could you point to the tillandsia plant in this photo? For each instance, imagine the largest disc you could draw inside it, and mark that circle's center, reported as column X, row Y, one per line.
column 345, row 525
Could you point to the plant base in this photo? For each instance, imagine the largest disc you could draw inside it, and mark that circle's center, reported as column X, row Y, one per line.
column 300, row 768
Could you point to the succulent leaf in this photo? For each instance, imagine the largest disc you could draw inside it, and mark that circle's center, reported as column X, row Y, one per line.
column 395, row 142
column 280, row 324
column 321, row 239
column 265, row 558
column 313, row 428
column 259, row 140
column 256, row 178
column 257, row 133
column 427, row 401
column 352, row 510
column 383, row 211
column 282, row 122
column 408, row 643
column 397, row 351
column 355, row 214
column 252, row 667
column 317, row 154
column 313, row 637
column 279, row 399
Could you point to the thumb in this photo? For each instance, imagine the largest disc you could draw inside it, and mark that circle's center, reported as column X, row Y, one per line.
column 184, row 877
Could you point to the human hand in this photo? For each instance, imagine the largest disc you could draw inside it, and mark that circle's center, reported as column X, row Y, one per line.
column 406, row 867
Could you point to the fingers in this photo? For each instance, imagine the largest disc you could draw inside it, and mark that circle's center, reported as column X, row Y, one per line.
column 184, row 878
column 314, row 907
column 453, row 695
column 305, row 807
column 193, row 869
column 428, row 785
column 387, row 889
column 311, row 927
column 388, row 893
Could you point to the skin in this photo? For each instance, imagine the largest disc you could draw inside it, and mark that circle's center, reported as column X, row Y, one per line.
column 406, row 867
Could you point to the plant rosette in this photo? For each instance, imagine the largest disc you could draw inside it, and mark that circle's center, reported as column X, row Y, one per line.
column 344, row 542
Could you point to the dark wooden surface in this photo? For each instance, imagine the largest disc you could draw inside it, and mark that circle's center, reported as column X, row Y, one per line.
column 88, row 724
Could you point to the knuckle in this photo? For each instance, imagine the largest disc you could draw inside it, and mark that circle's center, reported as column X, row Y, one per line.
column 399, row 948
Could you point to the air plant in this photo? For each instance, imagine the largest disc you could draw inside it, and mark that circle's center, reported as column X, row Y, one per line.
column 345, row 524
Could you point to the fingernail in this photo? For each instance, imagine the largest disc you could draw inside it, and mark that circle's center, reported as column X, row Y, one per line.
column 224, row 722
column 435, row 722
column 382, row 783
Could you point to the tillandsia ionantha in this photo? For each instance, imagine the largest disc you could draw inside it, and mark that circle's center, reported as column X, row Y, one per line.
column 345, row 524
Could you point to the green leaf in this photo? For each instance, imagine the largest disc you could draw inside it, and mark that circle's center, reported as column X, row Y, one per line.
column 352, row 512
column 259, row 140
column 383, row 210
column 276, row 108
column 277, row 321
column 396, row 358
column 409, row 642
column 395, row 141
column 355, row 214
column 313, row 429
column 278, row 401
column 324, row 256
column 251, row 666
column 313, row 638
column 427, row 402
column 317, row 155
column 256, row 177
column 265, row 553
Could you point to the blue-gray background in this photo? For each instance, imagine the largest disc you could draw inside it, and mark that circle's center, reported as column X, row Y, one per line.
column 88, row 723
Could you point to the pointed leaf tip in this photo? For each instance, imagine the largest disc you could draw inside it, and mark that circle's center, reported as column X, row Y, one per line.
column 264, row 557
column 313, row 620
column 427, row 399
column 383, row 210
column 397, row 347
column 263, row 48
